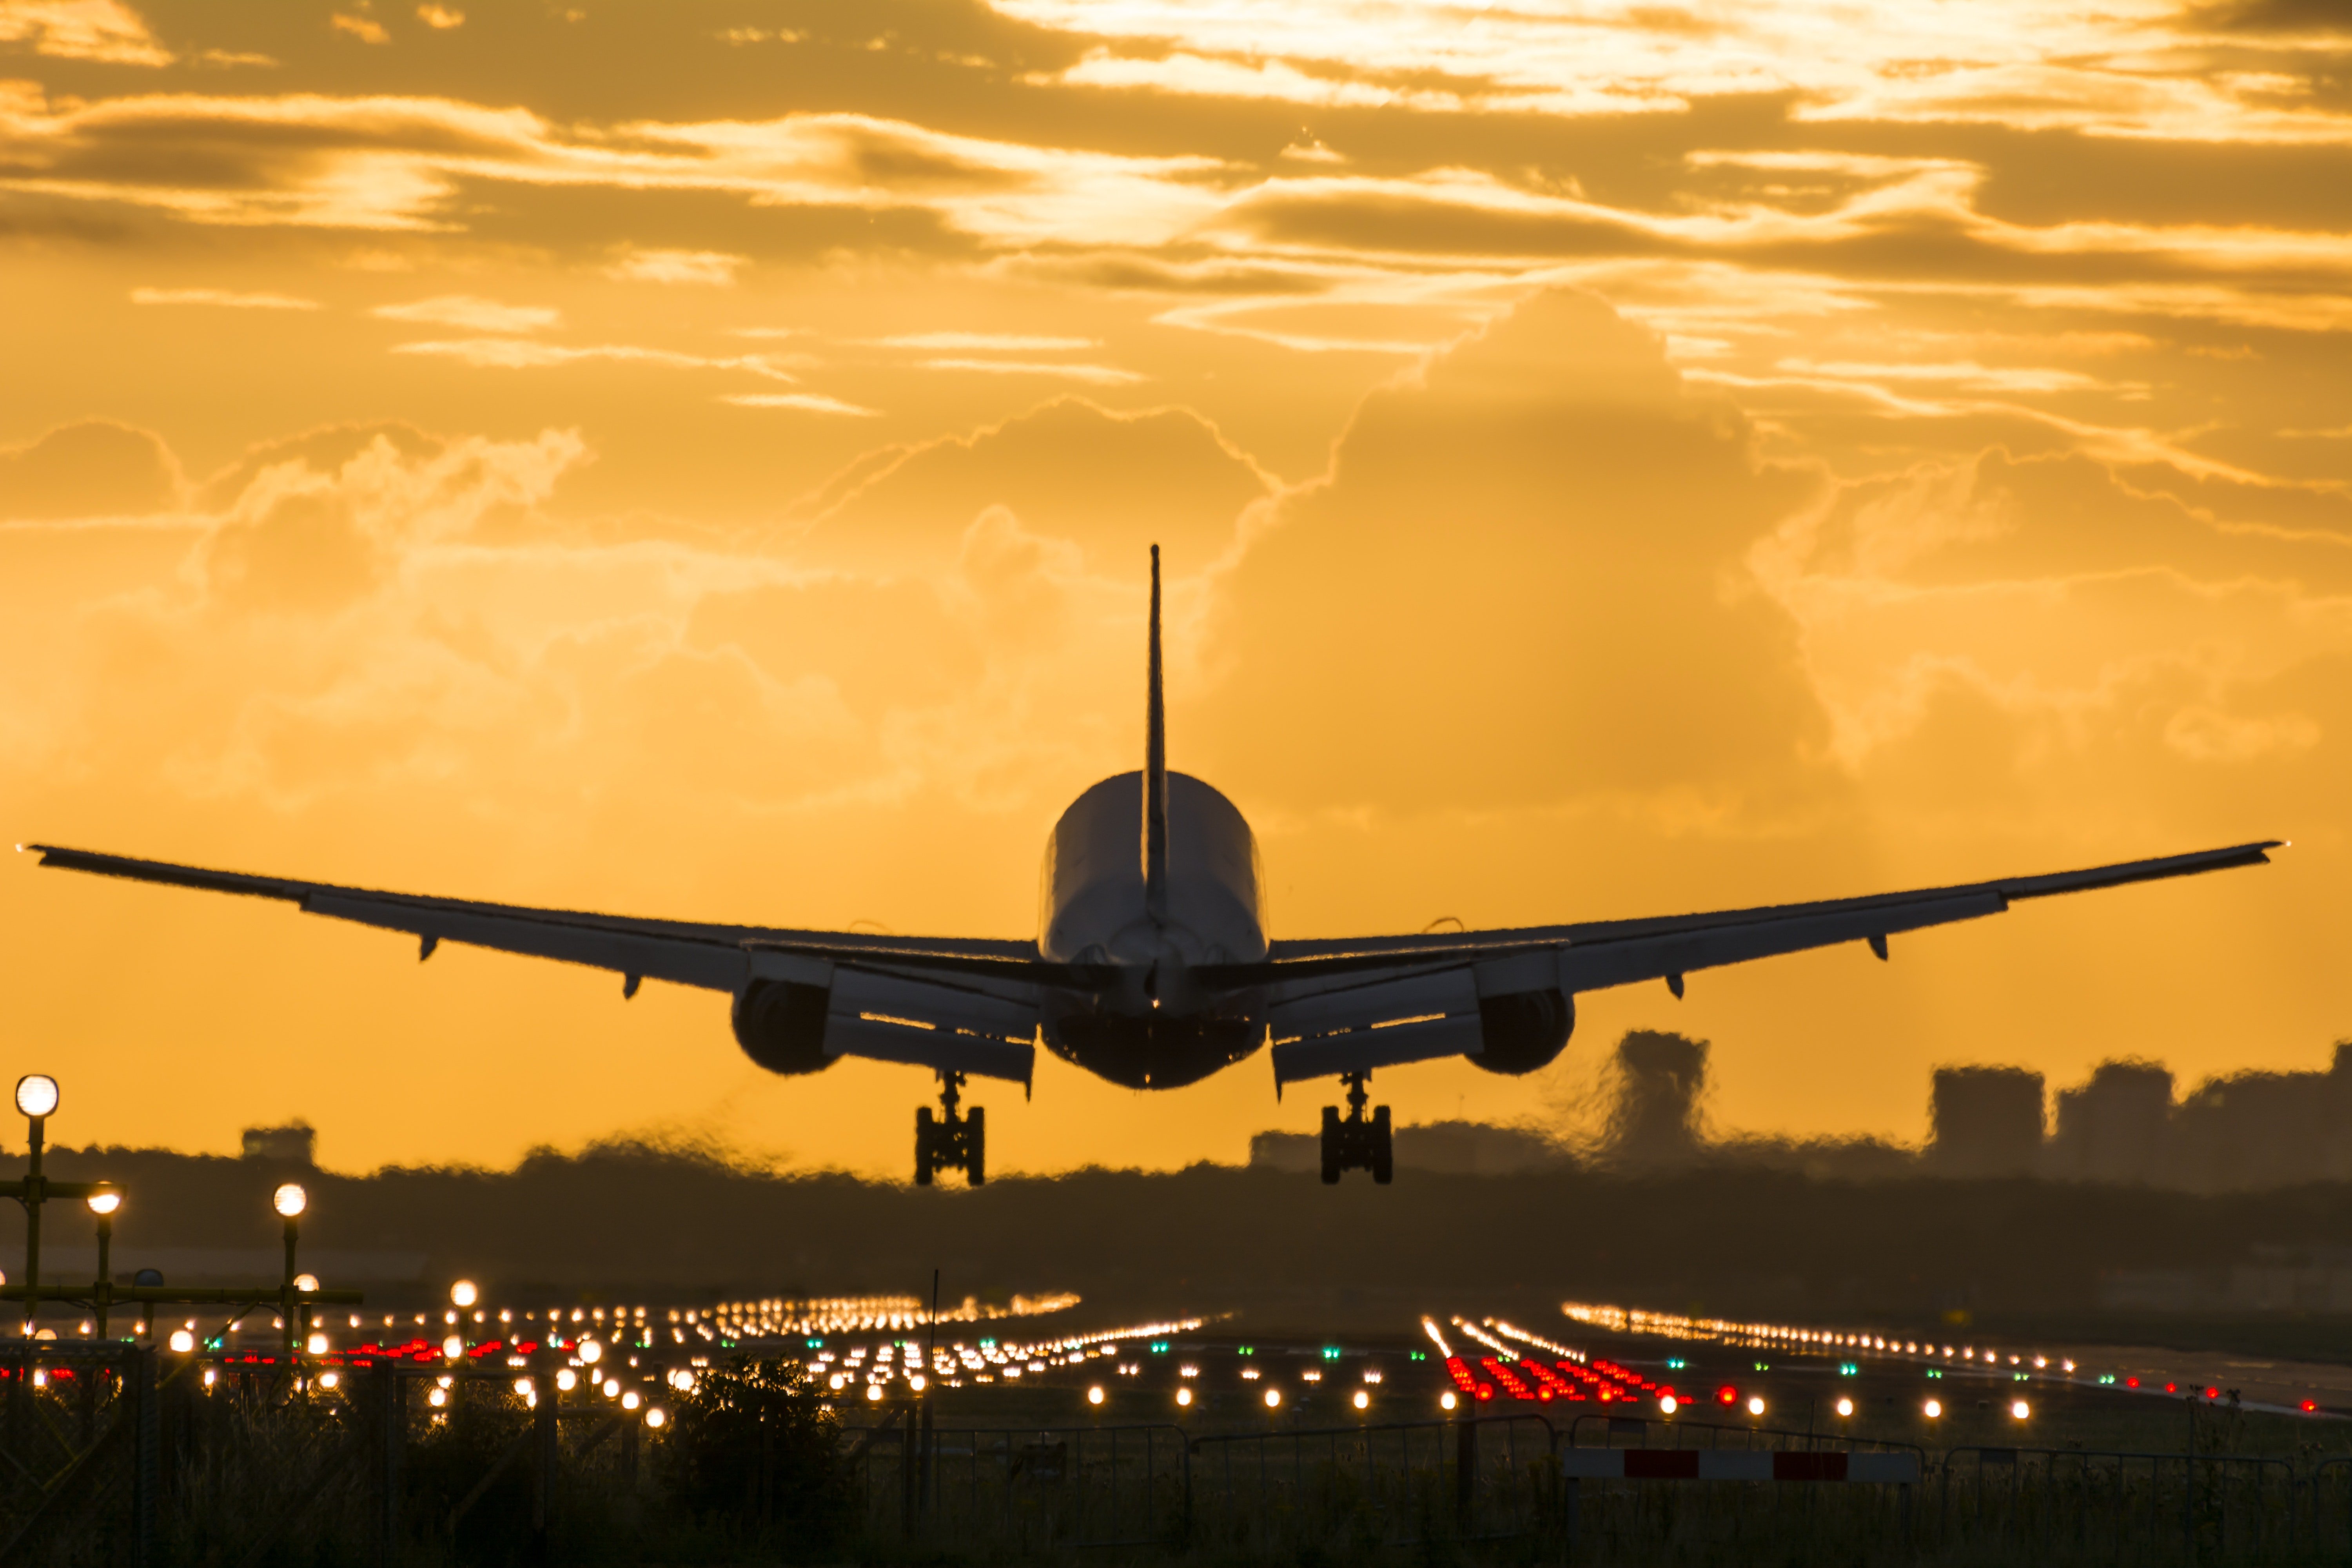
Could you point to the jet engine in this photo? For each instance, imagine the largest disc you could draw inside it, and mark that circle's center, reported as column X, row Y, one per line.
column 1524, row 1030
column 780, row 1026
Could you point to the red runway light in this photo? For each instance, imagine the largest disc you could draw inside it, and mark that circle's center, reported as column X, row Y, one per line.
column 1727, row 1394
column 2212, row 1394
column 2131, row 1383
column 2169, row 1388
column 2309, row 1406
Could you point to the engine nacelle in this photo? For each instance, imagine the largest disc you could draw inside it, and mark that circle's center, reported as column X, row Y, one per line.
column 780, row 1026
column 1524, row 1030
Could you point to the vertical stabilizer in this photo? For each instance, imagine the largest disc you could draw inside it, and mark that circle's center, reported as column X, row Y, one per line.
column 1155, row 774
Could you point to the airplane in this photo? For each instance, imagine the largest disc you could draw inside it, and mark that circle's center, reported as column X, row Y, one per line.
column 1152, row 967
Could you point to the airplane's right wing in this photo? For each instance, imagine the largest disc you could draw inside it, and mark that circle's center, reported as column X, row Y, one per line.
column 1353, row 1004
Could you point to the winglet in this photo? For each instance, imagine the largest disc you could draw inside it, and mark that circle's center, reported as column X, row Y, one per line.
column 1155, row 774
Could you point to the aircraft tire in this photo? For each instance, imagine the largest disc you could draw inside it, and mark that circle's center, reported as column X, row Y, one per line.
column 975, row 1145
column 1383, row 1155
column 924, row 1142
column 1330, row 1145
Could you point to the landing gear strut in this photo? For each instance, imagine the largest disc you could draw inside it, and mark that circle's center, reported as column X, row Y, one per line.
column 952, row 1142
column 1356, row 1144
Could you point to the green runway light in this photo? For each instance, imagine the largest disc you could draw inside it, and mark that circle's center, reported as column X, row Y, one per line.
column 1763, row 1366
column 1159, row 1347
column 1246, row 1350
column 1421, row 1355
column 816, row 1344
column 1934, row 1372
column 1674, row 1364
column 1849, row 1369
column 988, row 1345
column 1330, row 1353
column 2106, row 1377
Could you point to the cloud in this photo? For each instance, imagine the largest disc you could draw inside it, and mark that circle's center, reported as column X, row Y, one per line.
column 1093, row 375
column 1549, row 499
column 1105, row 485
column 104, row 30
column 707, row 268
column 805, row 402
column 92, row 468
column 527, row 354
column 361, row 27
column 984, row 342
column 229, row 298
column 473, row 314
column 440, row 19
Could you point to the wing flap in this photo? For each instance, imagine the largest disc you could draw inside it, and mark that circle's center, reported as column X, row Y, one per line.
column 709, row 965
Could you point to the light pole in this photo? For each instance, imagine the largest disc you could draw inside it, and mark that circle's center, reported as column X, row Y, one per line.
column 103, row 1205
column 36, row 1097
column 289, row 1200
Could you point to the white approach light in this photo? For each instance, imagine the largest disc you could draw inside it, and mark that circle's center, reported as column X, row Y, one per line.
column 590, row 1352
column 1447, row 1401
column 872, row 1393
column 657, row 1417
column 464, row 1294
column 611, row 1388
column 37, row 1094
column 1933, row 1409
column 1668, row 1403
column 1845, row 1407
column 567, row 1380
column 2019, row 1410
column 105, row 1203
column 1094, row 1394
column 183, row 1341
column 630, row 1400
column 306, row 1281
column 1362, row 1401
column 1273, row 1399
column 290, row 1199
column 330, row 1378
column 453, row 1347
column 1184, row 1397
column 315, row 1345
column 1755, row 1404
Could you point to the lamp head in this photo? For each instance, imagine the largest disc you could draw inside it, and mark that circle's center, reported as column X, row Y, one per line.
column 289, row 1200
column 306, row 1281
column 464, row 1294
column 37, row 1094
column 104, row 1205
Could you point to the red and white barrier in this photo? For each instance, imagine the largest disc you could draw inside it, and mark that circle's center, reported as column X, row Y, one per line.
column 1734, row 1465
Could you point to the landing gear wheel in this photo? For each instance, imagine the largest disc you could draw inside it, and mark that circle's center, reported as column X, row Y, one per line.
column 947, row 1142
column 1355, row 1143
column 926, row 1148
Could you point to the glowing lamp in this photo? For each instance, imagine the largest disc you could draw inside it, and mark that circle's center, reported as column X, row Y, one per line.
column 567, row 1380
column 37, row 1094
column 1184, row 1398
column 2020, row 1411
column 105, row 1204
column 1094, row 1394
column 657, row 1417
column 590, row 1352
column 611, row 1388
column 1362, row 1401
column 1755, row 1404
column 1933, row 1409
column 630, row 1400
column 1668, row 1403
column 438, row 1398
column 183, row 1341
column 873, row 1394
column 464, row 1294
column 1447, row 1401
column 290, row 1199
column 315, row 1345
column 1845, row 1407
column 1273, row 1399
column 330, row 1378
column 453, row 1347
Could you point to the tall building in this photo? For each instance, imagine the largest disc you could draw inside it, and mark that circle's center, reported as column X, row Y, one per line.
column 2115, row 1128
column 1985, row 1122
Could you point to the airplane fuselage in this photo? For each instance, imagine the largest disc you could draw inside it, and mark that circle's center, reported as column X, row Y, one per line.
column 1157, row 1027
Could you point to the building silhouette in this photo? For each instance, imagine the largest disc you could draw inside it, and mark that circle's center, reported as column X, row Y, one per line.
column 1985, row 1122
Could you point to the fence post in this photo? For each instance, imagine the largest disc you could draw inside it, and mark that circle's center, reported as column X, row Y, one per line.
column 1571, row 1496
column 391, row 1417
column 147, row 1439
column 1466, row 1473
column 542, row 1470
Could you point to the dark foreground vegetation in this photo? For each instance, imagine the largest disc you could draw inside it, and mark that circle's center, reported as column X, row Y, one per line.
column 636, row 1224
column 254, row 1471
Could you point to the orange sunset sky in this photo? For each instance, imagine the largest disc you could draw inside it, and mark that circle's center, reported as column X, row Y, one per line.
column 697, row 458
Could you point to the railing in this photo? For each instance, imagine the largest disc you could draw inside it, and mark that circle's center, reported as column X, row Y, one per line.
column 2137, row 1506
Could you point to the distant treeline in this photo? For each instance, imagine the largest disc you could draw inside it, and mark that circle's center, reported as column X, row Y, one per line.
column 641, row 1225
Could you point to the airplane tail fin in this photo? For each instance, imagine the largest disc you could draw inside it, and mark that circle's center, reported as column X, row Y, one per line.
column 1155, row 773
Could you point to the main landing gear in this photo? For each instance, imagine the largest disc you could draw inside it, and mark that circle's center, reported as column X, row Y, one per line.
column 952, row 1142
column 1356, row 1144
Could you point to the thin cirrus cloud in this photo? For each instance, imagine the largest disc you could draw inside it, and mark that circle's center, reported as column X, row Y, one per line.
column 529, row 353
column 984, row 342
column 228, row 299
column 1091, row 374
column 471, row 313
column 800, row 402
column 707, row 268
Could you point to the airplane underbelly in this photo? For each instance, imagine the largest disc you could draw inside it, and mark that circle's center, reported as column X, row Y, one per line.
column 1154, row 1052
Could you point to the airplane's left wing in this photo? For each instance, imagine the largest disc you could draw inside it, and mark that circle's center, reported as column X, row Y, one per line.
column 1353, row 1005
column 895, row 977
